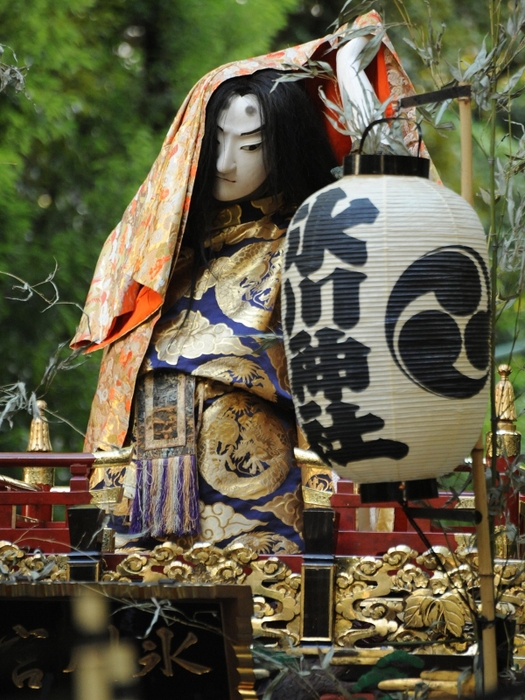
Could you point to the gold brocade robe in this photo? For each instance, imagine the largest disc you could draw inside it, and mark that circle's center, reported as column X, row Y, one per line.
column 240, row 417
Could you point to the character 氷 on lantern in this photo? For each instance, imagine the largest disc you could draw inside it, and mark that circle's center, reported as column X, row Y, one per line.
column 185, row 303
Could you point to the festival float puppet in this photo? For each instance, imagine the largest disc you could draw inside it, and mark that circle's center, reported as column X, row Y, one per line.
column 185, row 297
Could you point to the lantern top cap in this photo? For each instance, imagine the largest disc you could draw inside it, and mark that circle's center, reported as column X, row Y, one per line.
column 377, row 164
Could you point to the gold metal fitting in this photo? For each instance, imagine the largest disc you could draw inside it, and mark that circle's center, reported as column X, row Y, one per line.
column 309, row 458
column 106, row 497
column 108, row 540
column 318, row 485
column 39, row 441
column 508, row 439
column 113, row 458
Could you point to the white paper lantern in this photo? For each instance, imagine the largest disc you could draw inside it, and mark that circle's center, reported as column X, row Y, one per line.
column 386, row 322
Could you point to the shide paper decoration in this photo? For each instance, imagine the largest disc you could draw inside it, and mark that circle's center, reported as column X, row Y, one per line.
column 386, row 321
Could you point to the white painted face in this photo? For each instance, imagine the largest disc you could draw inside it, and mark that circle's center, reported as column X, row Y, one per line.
column 240, row 163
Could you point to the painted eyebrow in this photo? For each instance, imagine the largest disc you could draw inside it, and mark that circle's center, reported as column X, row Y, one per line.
column 253, row 131
column 245, row 133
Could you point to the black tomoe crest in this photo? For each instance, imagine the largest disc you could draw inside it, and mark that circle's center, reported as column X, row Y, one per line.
column 437, row 322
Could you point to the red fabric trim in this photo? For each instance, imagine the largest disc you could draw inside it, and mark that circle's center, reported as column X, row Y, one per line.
column 378, row 76
column 148, row 301
column 340, row 143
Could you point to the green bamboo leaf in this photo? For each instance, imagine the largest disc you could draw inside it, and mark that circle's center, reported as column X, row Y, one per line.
column 514, row 80
column 410, row 43
column 352, row 33
column 350, row 11
column 370, row 50
column 327, row 68
column 337, row 126
column 480, row 64
column 423, row 52
column 291, row 78
column 485, row 195
column 267, row 695
column 456, row 73
column 326, row 659
column 333, row 106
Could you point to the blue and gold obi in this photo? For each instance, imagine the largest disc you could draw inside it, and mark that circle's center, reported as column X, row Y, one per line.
column 225, row 337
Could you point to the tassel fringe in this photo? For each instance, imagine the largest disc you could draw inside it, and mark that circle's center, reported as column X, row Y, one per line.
column 166, row 499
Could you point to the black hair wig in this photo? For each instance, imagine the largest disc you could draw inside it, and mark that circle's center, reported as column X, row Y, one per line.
column 296, row 150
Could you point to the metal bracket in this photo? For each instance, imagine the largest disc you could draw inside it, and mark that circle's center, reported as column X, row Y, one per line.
column 426, row 98
column 462, row 515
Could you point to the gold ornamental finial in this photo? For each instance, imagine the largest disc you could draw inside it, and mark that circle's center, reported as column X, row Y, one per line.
column 505, row 408
column 39, row 440
column 508, row 439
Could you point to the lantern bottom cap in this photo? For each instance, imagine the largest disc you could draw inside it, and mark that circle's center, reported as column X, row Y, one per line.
column 398, row 491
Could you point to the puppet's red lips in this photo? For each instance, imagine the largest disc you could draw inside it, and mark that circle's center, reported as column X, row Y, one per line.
column 226, row 179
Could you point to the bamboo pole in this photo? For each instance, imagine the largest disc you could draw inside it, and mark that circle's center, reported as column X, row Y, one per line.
column 465, row 126
column 486, row 572
column 485, row 564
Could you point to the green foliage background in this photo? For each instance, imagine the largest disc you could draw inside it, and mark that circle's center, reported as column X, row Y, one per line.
column 105, row 80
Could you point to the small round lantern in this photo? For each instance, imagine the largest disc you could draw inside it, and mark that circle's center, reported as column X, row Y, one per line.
column 386, row 324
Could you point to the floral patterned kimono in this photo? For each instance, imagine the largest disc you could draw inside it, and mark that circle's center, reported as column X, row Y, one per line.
column 223, row 399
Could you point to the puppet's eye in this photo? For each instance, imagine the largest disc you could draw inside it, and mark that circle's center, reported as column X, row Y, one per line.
column 252, row 146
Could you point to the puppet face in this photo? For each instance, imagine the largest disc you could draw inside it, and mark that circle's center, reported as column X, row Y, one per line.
column 240, row 163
